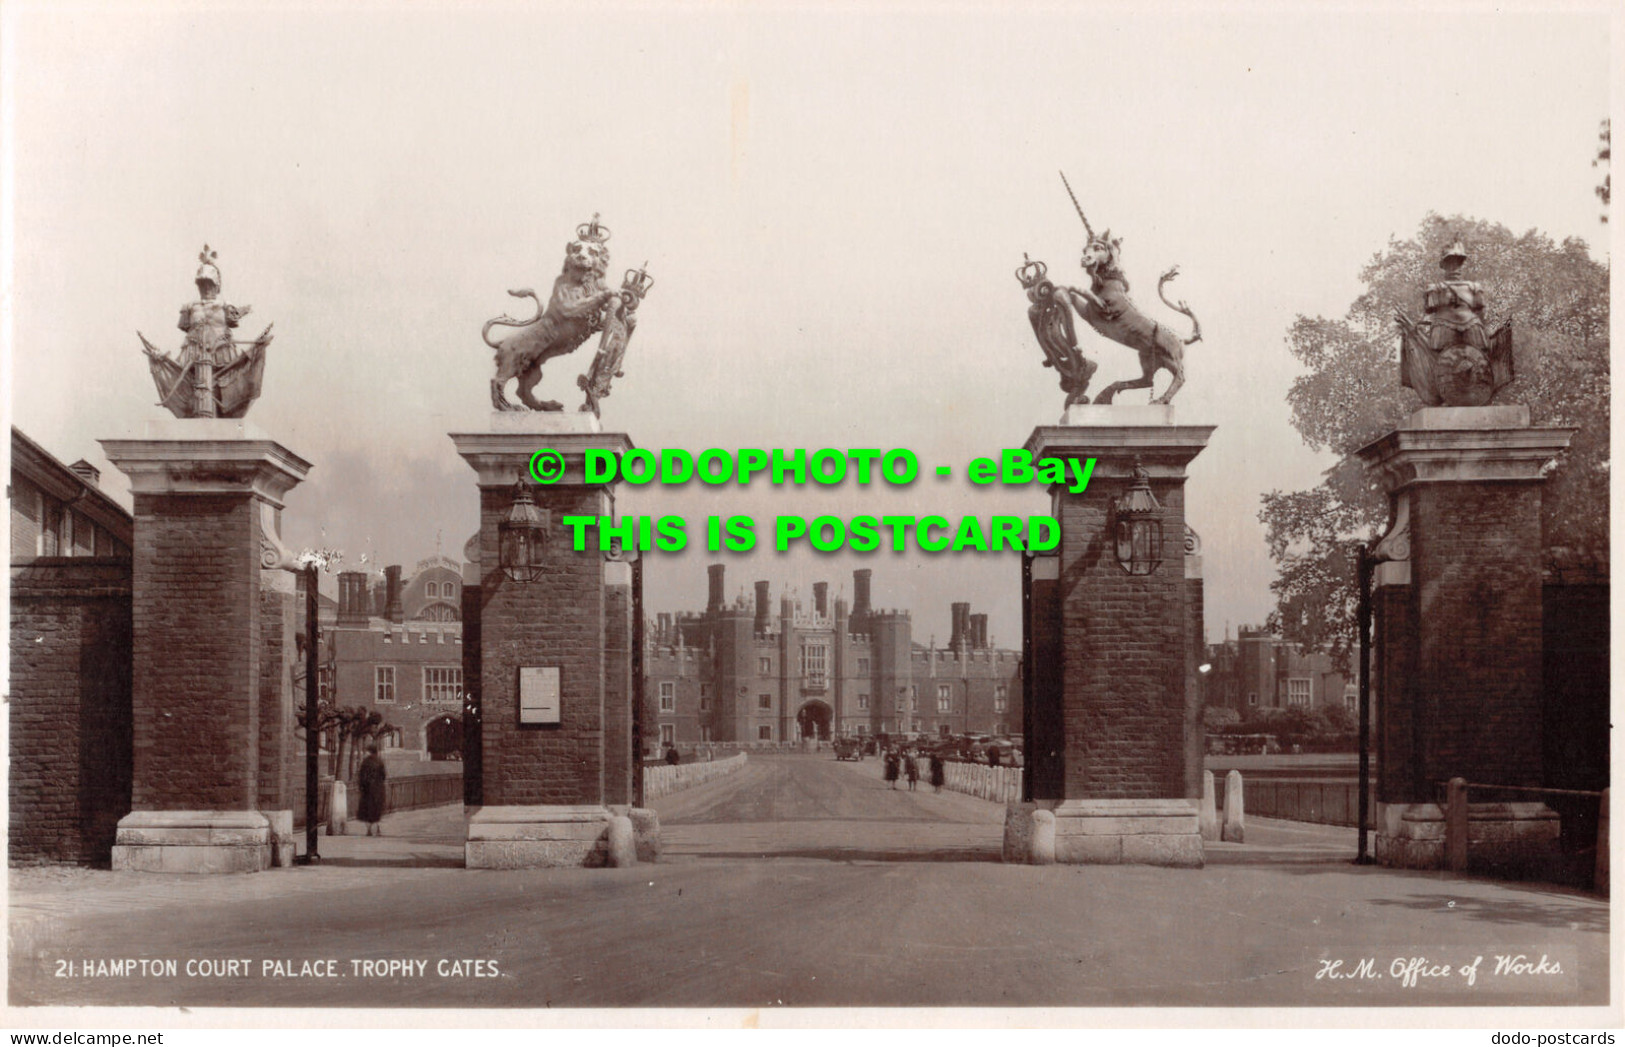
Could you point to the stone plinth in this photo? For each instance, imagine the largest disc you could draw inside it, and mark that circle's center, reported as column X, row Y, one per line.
column 1114, row 653
column 211, row 639
column 1128, row 832
column 1501, row 837
column 193, row 842
column 546, row 786
column 538, row 836
column 1118, row 415
column 1104, row 832
column 1458, row 623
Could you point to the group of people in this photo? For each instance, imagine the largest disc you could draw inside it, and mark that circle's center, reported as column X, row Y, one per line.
column 905, row 763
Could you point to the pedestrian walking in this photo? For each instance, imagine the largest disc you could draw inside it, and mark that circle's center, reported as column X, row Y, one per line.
column 913, row 769
column 939, row 771
column 371, row 779
column 672, row 756
column 891, row 767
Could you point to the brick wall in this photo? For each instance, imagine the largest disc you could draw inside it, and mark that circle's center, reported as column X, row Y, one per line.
column 1043, row 715
column 1399, row 779
column 1475, row 558
column 1576, row 685
column 558, row 621
column 473, row 773
column 1459, row 670
column 70, row 709
column 1195, row 731
column 281, row 760
column 618, row 754
column 1125, row 651
column 196, row 682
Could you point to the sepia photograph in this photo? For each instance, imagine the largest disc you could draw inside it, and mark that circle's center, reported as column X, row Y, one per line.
column 799, row 514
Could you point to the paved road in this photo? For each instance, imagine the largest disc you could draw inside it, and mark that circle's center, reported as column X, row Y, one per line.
column 820, row 921
column 814, row 806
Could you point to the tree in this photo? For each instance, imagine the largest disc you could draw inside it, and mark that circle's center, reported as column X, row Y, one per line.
column 1557, row 297
column 1605, row 152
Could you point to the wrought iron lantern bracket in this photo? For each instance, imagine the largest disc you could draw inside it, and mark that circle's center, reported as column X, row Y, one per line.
column 1138, row 526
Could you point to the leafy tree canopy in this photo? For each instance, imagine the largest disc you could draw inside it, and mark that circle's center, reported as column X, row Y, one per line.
column 1557, row 298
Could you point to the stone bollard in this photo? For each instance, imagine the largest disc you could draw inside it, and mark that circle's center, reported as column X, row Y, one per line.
column 282, row 842
column 338, row 808
column 1235, row 824
column 1043, row 837
column 1209, row 820
column 1600, row 883
column 646, row 833
column 623, row 848
column 1455, row 825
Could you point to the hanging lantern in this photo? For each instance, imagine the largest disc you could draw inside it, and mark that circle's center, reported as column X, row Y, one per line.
column 1139, row 526
column 522, row 538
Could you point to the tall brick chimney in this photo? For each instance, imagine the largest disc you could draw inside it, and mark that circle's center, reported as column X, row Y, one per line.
column 860, row 592
column 961, row 634
column 978, row 630
column 761, row 607
column 392, row 594
column 821, row 598
column 713, row 603
column 352, row 598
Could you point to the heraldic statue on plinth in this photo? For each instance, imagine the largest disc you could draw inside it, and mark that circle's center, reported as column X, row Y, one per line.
column 1447, row 356
column 212, row 378
column 579, row 307
column 1105, row 306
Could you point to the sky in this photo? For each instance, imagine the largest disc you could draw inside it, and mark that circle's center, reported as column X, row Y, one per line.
column 832, row 204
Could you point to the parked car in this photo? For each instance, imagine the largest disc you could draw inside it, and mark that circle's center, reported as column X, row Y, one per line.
column 848, row 749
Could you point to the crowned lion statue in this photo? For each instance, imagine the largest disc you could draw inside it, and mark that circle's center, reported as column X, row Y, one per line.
column 575, row 312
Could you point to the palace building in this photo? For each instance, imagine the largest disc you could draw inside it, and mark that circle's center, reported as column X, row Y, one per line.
column 71, row 663
column 396, row 646
column 741, row 673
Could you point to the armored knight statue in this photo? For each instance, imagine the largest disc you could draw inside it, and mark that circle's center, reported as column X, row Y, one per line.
column 212, row 378
column 1447, row 356
column 1106, row 306
column 620, row 320
column 1051, row 317
column 575, row 311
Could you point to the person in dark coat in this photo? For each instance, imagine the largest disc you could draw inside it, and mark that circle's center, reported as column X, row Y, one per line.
column 892, row 767
column 672, row 756
column 939, row 770
column 912, row 766
column 371, row 779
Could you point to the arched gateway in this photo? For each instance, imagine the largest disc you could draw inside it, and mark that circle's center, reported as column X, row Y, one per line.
column 814, row 720
column 443, row 738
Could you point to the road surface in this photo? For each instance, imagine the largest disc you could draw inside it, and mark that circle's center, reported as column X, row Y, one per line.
column 801, row 882
column 814, row 806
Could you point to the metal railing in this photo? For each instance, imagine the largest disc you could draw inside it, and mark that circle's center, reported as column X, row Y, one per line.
column 1318, row 802
column 410, row 792
column 404, row 793
column 1583, row 828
